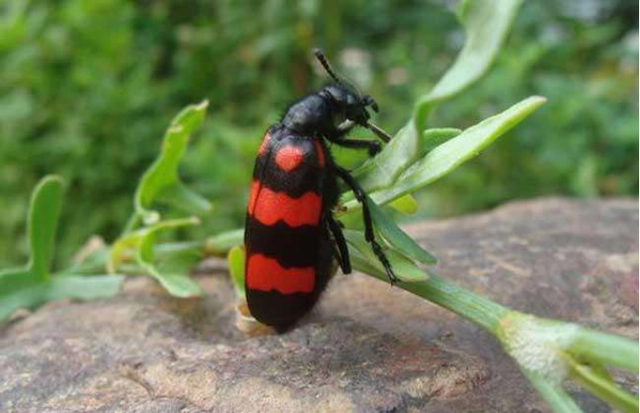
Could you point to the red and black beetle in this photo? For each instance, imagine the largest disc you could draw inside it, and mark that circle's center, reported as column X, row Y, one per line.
column 288, row 245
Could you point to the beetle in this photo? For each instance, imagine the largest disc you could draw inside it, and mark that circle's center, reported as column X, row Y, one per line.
column 291, row 236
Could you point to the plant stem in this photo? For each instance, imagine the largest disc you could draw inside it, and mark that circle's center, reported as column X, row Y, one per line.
column 605, row 348
column 479, row 310
column 554, row 395
column 134, row 221
column 602, row 387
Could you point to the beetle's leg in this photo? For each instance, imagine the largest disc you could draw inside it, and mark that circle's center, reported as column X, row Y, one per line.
column 369, row 234
column 372, row 146
column 342, row 250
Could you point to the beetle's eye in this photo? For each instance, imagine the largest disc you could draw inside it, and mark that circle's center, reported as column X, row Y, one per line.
column 369, row 101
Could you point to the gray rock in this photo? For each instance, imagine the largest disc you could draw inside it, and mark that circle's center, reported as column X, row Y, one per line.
column 366, row 348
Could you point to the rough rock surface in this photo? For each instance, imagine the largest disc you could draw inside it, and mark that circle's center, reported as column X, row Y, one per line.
column 367, row 347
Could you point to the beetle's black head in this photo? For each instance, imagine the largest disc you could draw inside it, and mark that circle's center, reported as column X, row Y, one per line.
column 332, row 111
column 347, row 104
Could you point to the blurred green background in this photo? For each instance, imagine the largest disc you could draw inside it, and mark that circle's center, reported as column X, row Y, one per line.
column 87, row 88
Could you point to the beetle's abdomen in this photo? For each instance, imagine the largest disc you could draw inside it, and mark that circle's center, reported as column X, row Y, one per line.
column 284, row 229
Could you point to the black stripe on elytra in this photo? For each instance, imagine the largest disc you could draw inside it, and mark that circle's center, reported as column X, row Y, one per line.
column 290, row 246
column 293, row 183
column 279, row 310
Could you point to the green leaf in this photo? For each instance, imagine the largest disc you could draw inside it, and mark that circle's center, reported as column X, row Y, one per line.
column 83, row 287
column 161, row 182
column 553, row 394
column 396, row 237
column 487, row 24
column 236, row 261
column 451, row 154
column 143, row 239
column 437, row 136
column 406, row 204
column 20, row 289
column 44, row 212
column 382, row 170
column 142, row 242
column 366, row 261
column 177, row 284
column 32, row 285
column 602, row 386
column 606, row 349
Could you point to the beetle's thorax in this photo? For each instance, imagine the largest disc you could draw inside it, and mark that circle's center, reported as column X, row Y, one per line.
column 309, row 116
column 320, row 113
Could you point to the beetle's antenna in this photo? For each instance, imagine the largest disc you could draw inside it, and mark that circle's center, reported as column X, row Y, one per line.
column 325, row 63
column 340, row 79
column 369, row 125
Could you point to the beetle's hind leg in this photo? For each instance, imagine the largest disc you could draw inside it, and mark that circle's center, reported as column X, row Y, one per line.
column 342, row 251
column 369, row 234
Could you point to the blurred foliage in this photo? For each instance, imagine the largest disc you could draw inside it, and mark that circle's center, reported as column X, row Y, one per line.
column 86, row 89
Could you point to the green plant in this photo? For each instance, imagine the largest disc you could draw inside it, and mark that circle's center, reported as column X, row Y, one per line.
column 34, row 284
column 547, row 351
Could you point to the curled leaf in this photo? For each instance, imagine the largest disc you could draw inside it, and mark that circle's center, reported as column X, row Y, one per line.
column 486, row 24
column 33, row 284
column 161, row 182
column 141, row 243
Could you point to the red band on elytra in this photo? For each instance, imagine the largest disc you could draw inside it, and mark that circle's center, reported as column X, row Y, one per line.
column 266, row 274
column 269, row 207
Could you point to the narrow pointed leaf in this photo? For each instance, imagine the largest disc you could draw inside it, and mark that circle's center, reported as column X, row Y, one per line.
column 383, row 170
column 406, row 204
column 432, row 138
column 404, row 268
column 449, row 155
column 396, row 237
column 44, row 212
column 487, row 24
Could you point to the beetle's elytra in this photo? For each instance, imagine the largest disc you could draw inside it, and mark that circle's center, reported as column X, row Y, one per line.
column 291, row 236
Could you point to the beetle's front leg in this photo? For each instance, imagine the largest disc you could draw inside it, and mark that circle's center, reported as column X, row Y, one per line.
column 369, row 234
